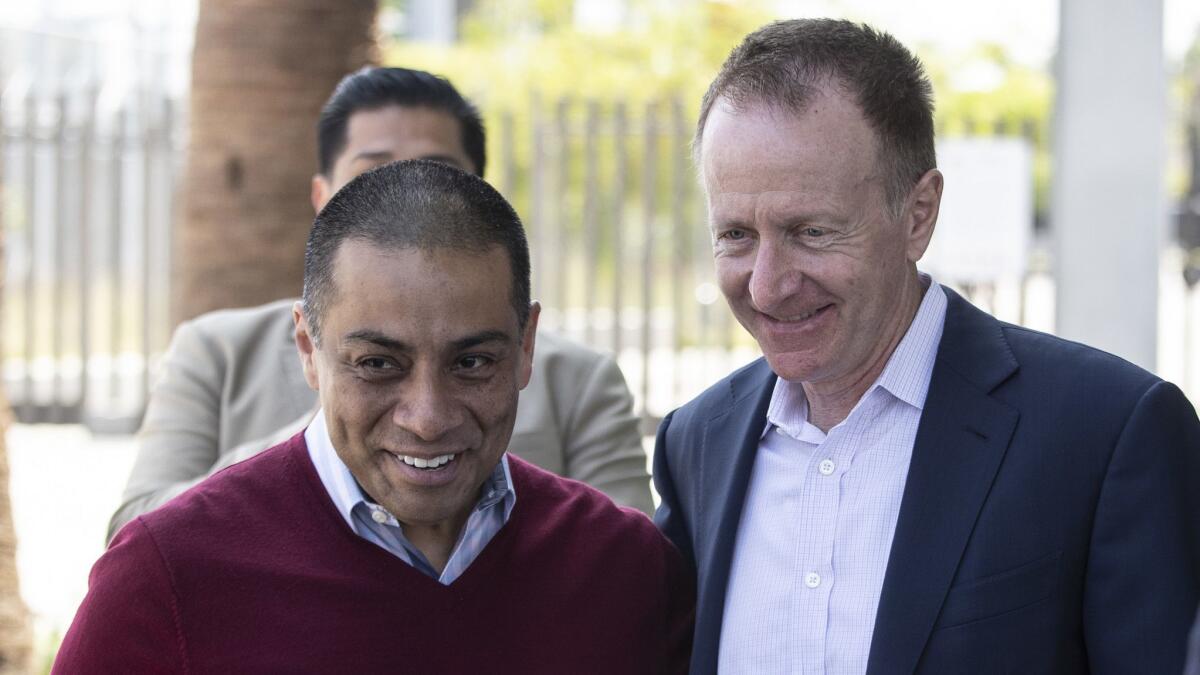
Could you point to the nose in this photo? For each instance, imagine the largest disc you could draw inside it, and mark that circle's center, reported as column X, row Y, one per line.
column 774, row 277
column 427, row 409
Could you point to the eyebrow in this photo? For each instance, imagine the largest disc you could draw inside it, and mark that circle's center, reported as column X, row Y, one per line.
column 444, row 159
column 481, row 338
column 375, row 155
column 777, row 217
column 377, row 338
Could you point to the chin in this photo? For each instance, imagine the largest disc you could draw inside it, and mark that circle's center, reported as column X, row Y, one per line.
column 793, row 369
column 423, row 513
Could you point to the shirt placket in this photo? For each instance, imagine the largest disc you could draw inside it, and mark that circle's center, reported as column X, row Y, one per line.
column 847, row 440
column 820, row 508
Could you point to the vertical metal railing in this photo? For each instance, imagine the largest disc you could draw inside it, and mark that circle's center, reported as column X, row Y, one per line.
column 649, row 228
column 88, row 194
column 620, row 248
column 620, row 139
column 590, row 220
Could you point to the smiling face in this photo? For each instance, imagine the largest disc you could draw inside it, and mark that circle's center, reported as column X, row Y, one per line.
column 806, row 253
column 389, row 134
column 420, row 362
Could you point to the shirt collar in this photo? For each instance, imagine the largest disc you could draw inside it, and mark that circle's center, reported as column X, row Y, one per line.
column 905, row 376
column 345, row 492
column 909, row 369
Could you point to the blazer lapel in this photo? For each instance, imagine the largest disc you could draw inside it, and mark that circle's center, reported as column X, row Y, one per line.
column 726, row 459
column 960, row 443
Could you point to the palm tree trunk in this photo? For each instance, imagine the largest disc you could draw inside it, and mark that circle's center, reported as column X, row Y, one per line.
column 260, row 72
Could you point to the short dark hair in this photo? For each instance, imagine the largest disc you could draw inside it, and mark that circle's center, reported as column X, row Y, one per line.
column 371, row 88
column 784, row 64
column 413, row 204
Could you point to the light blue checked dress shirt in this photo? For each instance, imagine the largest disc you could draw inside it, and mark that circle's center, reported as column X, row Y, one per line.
column 816, row 529
column 373, row 522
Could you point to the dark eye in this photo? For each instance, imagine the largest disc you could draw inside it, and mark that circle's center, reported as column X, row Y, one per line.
column 813, row 231
column 377, row 369
column 376, row 364
column 473, row 363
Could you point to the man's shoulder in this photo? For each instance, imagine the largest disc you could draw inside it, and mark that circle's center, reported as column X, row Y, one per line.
column 234, row 498
column 747, row 381
column 1084, row 388
column 244, row 323
column 572, row 506
column 975, row 343
column 1051, row 352
column 559, row 350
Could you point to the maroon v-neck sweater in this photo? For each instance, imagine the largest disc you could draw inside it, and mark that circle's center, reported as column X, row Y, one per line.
column 255, row 571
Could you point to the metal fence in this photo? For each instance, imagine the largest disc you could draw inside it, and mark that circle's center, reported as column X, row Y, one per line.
column 621, row 254
column 87, row 203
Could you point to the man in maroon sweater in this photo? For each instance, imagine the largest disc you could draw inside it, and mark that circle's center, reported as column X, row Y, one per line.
column 395, row 535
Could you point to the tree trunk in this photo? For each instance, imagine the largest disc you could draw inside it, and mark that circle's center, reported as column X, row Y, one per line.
column 15, row 649
column 260, row 72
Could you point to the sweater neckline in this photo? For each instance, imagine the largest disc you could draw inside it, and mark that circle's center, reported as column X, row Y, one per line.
column 476, row 573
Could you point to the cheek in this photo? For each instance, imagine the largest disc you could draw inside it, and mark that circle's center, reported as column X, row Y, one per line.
column 493, row 404
column 357, row 404
column 733, row 276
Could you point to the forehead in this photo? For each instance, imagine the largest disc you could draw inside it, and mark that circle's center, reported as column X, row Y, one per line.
column 407, row 132
column 414, row 294
column 763, row 158
column 828, row 127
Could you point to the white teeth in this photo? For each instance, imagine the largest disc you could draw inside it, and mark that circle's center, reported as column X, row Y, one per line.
column 422, row 463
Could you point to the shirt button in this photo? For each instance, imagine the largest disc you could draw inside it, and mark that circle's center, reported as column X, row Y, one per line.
column 379, row 517
column 812, row 580
column 826, row 467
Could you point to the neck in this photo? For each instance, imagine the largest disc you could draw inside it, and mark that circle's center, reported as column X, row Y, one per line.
column 435, row 541
column 831, row 402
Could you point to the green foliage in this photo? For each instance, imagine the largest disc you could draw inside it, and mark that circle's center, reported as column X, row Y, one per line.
column 1016, row 101
column 524, row 57
column 554, row 94
column 510, row 48
column 1185, row 102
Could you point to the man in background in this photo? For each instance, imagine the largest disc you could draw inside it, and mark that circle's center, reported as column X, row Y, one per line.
column 231, row 385
column 904, row 484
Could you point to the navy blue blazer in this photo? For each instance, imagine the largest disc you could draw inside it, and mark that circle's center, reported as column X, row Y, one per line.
column 1050, row 522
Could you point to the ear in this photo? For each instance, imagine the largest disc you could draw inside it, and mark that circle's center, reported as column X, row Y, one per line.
column 305, row 346
column 528, row 337
column 922, row 212
column 320, row 193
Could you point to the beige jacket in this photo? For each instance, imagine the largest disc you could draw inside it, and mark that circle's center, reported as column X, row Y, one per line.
column 231, row 386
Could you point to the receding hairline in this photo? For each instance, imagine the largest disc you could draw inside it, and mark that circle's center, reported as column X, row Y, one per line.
column 785, row 112
column 738, row 100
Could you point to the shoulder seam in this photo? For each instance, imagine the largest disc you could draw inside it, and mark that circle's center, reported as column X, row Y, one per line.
column 179, row 636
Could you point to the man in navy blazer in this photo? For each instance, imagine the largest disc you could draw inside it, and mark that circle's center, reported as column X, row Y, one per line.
column 904, row 484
